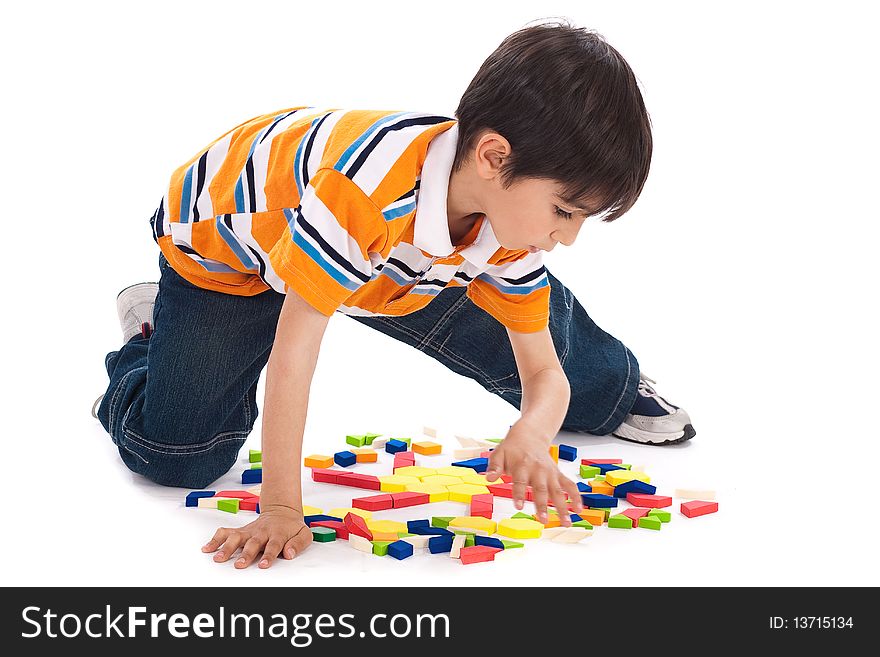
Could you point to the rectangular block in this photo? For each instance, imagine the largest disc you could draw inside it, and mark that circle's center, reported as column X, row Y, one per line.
column 501, row 490
column 568, row 453
column 694, row 494
column 345, row 459
column 324, row 476
column 365, row 455
column 337, row 526
column 378, row 443
column 394, row 446
column 409, row 498
column 440, row 544
column 357, row 480
column 400, row 550
column 598, row 500
column 698, row 508
column 252, row 476
column 649, row 501
column 427, row 448
column 318, row 461
column 600, row 461
column 250, row 504
column 477, row 464
column 429, row 431
column 477, row 554
column 457, row 544
column 373, row 503
column 192, row 499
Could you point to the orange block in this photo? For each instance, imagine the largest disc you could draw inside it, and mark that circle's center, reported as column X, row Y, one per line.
column 385, row 536
column 318, row 461
column 365, row 455
column 554, row 452
column 427, row 448
column 602, row 487
column 593, row 516
column 553, row 521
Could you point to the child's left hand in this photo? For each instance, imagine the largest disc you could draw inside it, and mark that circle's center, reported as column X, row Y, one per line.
column 525, row 455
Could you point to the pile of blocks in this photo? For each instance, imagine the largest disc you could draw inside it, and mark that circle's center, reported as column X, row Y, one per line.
column 469, row 538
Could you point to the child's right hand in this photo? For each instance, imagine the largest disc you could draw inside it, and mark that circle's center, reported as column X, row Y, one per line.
column 277, row 530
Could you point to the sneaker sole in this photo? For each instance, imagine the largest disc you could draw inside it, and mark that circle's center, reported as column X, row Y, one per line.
column 644, row 437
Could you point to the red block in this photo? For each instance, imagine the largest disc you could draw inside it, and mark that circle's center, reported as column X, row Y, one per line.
column 482, row 505
column 324, row 475
column 698, row 508
column 240, row 494
column 530, row 495
column 249, row 504
column 485, row 455
column 650, row 501
column 485, row 498
column 635, row 514
column 409, row 498
column 478, row 553
column 506, row 478
column 341, row 529
column 600, row 461
column 358, row 480
column 501, row 490
column 357, row 525
column 373, row 503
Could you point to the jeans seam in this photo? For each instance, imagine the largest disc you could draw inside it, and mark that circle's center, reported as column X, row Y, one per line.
column 113, row 399
column 444, row 319
column 163, row 448
column 622, row 393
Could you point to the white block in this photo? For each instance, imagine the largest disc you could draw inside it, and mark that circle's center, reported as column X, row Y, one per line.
column 360, row 543
column 255, row 489
column 210, row 502
column 693, row 494
column 572, row 535
column 457, row 543
column 428, row 431
column 553, row 532
column 467, row 442
column 379, row 443
column 418, row 541
column 467, row 453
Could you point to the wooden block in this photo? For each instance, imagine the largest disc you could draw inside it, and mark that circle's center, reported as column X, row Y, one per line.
column 255, row 489
column 663, row 516
column 365, row 455
column 358, row 480
column 370, row 438
column 230, row 505
column 619, row 476
column 400, row 550
column 441, row 522
column 210, row 502
column 464, row 492
column 441, row 480
column 395, row 446
column 435, row 493
column 454, row 471
column 554, row 453
column 338, row 527
column 323, row 534
column 520, row 528
column 250, row 504
column 600, row 487
column 649, row 501
column 568, row 453
column 416, row 471
column 476, row 464
column 386, row 526
column 418, row 541
column 457, row 544
column 192, row 499
column 373, row 503
column 501, row 490
column 598, row 500
column 620, row 521
column 634, row 514
column 360, row 543
column 311, row 510
column 473, row 523
column 239, row 494
column 340, row 512
column 593, row 516
column 698, row 508
column 252, row 476
column 379, row 443
column 324, row 476
column 356, row 525
column 409, row 498
column 600, row 461
column 475, row 478
column 255, row 456
column 587, row 471
column 467, row 442
column 553, row 532
column 634, row 486
column 345, row 459
column 429, row 431
column 466, row 453
column 572, row 535
column 356, row 441
column 694, row 494
column 477, row 554
column 318, row 461
column 427, row 448
column 380, row 548
column 650, row 522
column 396, row 483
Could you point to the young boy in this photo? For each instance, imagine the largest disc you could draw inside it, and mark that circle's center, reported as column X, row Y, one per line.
column 428, row 229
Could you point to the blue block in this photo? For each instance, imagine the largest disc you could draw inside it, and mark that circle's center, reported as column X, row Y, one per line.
column 438, row 544
column 410, row 524
column 401, row 549
column 315, row 518
column 430, row 531
column 568, row 453
column 193, row 498
column 575, row 517
column 345, row 458
column 584, row 488
column 252, row 476
column 393, row 446
column 607, row 467
column 258, row 507
column 479, row 464
column 599, row 501
column 488, row 540
column 633, row 486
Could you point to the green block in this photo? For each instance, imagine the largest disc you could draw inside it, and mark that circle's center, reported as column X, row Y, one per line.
column 625, row 466
column 589, row 471
column 256, row 466
column 520, row 514
column 509, row 545
column 357, row 441
column 494, row 440
column 408, row 441
column 368, row 438
column 380, row 548
column 600, row 477
column 469, row 540
column 463, row 532
column 255, row 456
column 582, row 523
column 404, row 534
column 650, row 522
column 230, row 506
column 323, row 534
column 664, row 516
column 620, row 521
column 441, row 521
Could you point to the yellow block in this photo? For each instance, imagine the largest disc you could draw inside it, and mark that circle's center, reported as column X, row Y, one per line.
column 600, row 486
column 427, row 448
column 436, row 492
column 442, row 480
column 520, row 528
column 464, row 492
column 395, row 483
column 318, row 461
column 312, row 511
column 386, row 527
column 617, row 477
column 473, row 522
column 365, row 455
column 455, row 471
column 478, row 479
column 384, row 536
column 341, row 511
column 416, row 471
column 554, row 452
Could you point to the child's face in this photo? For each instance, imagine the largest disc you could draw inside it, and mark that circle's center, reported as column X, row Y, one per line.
column 530, row 215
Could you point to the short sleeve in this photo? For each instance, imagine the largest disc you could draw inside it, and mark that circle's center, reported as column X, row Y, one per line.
column 516, row 293
column 323, row 254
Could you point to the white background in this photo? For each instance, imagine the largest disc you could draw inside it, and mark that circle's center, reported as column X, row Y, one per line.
column 744, row 279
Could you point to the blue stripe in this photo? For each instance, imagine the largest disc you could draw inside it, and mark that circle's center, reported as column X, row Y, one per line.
column 231, row 240
column 297, row 172
column 239, row 196
column 346, row 156
column 513, row 290
column 399, row 212
column 184, row 196
column 328, row 268
column 397, row 278
column 216, row 266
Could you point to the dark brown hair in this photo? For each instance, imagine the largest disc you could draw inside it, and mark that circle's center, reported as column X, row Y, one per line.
column 571, row 109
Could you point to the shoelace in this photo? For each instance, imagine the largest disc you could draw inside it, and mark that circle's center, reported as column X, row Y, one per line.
column 645, row 386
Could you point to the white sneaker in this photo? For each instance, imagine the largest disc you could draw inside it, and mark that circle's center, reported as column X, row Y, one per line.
column 653, row 420
column 134, row 305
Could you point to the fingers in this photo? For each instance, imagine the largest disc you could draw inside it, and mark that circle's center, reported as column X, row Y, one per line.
column 251, row 549
column 219, row 536
column 233, row 541
column 298, row 543
column 520, row 481
column 273, row 549
column 496, row 464
column 557, row 496
column 572, row 490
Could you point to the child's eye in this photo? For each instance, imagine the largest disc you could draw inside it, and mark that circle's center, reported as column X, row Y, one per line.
column 562, row 213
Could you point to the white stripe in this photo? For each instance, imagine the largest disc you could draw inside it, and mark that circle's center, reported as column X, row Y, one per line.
column 318, row 215
column 518, row 268
column 242, row 226
column 261, row 156
column 316, row 156
column 358, row 312
column 216, row 155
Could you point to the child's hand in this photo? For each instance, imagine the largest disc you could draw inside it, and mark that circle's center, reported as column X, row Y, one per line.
column 525, row 455
column 277, row 530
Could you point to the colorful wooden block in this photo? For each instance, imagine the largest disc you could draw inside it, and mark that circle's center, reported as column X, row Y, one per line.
column 318, row 517
column 256, row 466
column 434, row 493
column 429, row 431
column 477, row 554
column 663, row 516
column 454, row 471
column 572, row 535
column 209, row 502
column 473, row 523
column 441, row 522
column 441, row 480
column 554, row 453
column 635, row 514
column 400, row 550
column 370, row 438
column 380, row 548
column 694, row 494
column 650, row 522
column 230, row 506
column 324, row 476
column 255, row 456
column 490, row 541
column 440, row 544
column 474, row 478
column 378, row 443
column 396, row 483
column 466, row 442
column 464, row 492
column 356, row 441
column 416, row 471
column 323, row 534
column 587, row 471
column 457, row 544
column 427, row 448
column 501, row 490
column 418, row 541
column 601, row 488
column 357, row 480
column 340, row 512
column 318, row 461
column 634, row 486
column 568, row 453
column 338, row 527
column 616, row 477
column 598, row 500
column 386, row 526
column 344, row 459
column 360, row 543
column 520, row 528
column 605, row 468
column 584, row 488
column 394, row 446
column 250, row 504
column 620, row 521
column 365, row 455
column 373, row 503
column 467, row 453
column 192, row 499
column 409, row 498
column 593, row 516
column 510, row 545
column 600, row 461
column 695, row 508
column 252, row 476
column 477, row 464
column 649, row 501
column 357, row 525
column 582, row 523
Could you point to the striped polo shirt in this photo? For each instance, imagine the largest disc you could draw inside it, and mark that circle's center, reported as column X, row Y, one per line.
column 346, row 207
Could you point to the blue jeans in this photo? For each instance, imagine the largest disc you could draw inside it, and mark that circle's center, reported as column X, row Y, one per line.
column 181, row 402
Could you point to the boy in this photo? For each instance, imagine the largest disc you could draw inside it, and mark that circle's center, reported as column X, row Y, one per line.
column 428, row 229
